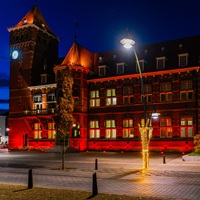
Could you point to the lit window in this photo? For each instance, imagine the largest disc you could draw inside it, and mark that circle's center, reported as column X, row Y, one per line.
column 128, row 131
column 110, row 129
column 94, row 129
column 111, row 98
column 75, row 131
column 94, row 98
column 160, row 62
column 37, row 131
column 128, row 97
column 51, row 130
column 186, row 129
column 165, row 127
column 183, row 59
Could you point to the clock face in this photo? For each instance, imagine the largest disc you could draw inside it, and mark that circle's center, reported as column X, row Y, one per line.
column 15, row 54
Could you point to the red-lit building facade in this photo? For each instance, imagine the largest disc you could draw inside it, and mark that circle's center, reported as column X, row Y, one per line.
column 107, row 92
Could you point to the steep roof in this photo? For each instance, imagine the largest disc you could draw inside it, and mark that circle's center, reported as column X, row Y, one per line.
column 34, row 16
column 79, row 56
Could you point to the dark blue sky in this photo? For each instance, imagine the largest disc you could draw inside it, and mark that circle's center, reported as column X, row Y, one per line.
column 101, row 24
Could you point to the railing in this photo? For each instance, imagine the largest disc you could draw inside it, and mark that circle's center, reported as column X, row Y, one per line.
column 39, row 111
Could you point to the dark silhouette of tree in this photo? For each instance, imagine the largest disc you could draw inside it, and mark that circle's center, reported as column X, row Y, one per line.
column 64, row 109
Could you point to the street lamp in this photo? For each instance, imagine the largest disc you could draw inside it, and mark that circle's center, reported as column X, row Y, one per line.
column 146, row 130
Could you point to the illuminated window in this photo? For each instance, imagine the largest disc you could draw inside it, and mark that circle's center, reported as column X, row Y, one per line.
column 186, row 90
column 75, row 131
column 110, row 129
column 94, row 98
column 51, row 130
column 165, row 92
column 165, row 127
column 128, row 131
column 128, row 97
column 94, row 129
column 102, row 70
column 186, row 127
column 183, row 59
column 37, row 131
column 160, row 62
column 111, row 98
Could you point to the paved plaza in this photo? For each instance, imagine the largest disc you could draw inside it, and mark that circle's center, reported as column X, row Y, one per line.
column 117, row 173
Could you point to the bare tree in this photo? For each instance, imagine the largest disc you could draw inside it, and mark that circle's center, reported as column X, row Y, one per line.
column 64, row 109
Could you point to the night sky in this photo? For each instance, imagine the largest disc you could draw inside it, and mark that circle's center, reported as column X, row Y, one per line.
column 100, row 25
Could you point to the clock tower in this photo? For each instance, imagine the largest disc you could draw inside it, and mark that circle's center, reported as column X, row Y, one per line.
column 33, row 50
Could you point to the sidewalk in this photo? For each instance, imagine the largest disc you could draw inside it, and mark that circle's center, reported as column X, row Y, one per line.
column 176, row 179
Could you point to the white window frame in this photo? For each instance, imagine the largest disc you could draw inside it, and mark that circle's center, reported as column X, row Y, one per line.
column 102, row 70
column 110, row 129
column 120, row 68
column 128, row 128
column 160, row 62
column 94, row 98
column 43, row 78
column 186, row 127
column 166, row 127
column 141, row 63
column 181, row 62
column 111, row 99
column 94, row 129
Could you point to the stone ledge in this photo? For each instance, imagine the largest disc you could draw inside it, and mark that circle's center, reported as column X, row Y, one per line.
column 190, row 158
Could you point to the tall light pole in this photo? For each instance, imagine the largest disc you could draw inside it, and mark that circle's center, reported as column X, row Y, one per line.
column 146, row 130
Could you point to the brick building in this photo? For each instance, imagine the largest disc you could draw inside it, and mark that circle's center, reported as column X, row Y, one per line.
column 107, row 91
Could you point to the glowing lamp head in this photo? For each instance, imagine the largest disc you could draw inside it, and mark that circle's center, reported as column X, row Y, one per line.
column 127, row 43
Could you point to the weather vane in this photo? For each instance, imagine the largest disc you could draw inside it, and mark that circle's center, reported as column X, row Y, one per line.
column 76, row 25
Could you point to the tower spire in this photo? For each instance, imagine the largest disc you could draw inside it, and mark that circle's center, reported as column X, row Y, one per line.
column 76, row 25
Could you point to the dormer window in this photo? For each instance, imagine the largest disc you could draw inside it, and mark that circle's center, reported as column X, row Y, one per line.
column 43, row 78
column 120, row 68
column 160, row 62
column 183, row 59
column 102, row 70
column 25, row 20
column 141, row 63
column 100, row 59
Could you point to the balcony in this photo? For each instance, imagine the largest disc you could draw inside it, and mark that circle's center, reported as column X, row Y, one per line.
column 40, row 112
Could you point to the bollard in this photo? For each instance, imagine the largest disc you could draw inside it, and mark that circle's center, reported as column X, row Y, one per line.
column 94, row 185
column 163, row 159
column 30, row 179
column 96, row 164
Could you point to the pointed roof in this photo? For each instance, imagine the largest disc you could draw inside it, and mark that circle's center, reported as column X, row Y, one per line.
column 78, row 56
column 34, row 16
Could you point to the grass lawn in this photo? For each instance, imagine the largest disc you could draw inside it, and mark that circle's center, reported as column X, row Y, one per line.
column 17, row 192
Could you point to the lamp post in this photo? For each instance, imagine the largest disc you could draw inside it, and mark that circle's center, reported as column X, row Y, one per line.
column 146, row 130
